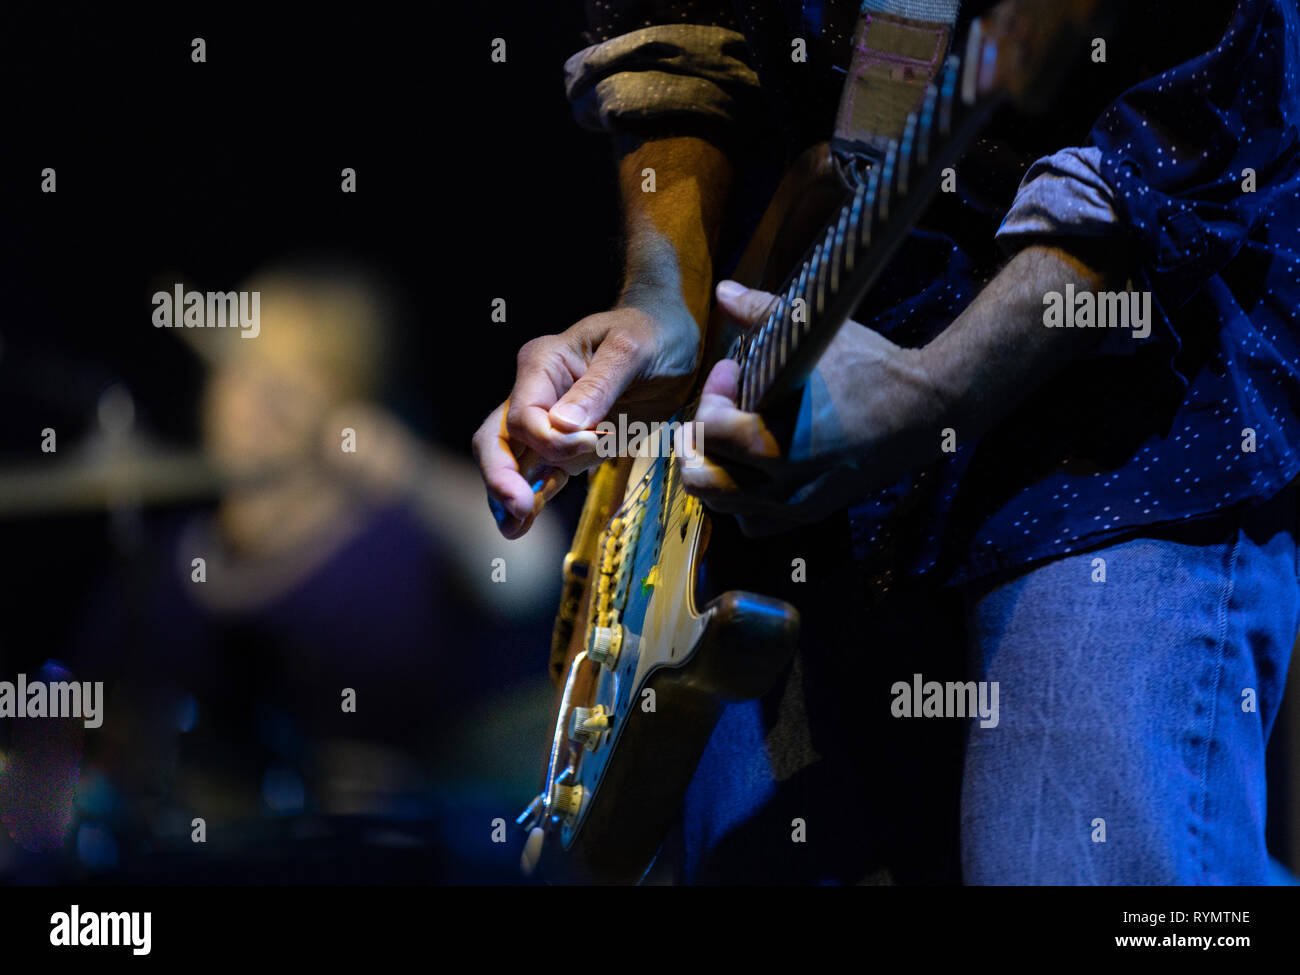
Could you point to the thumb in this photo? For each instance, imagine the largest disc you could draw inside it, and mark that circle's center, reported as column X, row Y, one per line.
column 590, row 398
column 748, row 306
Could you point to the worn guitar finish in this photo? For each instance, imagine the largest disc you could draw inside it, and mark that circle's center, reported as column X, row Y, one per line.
column 644, row 669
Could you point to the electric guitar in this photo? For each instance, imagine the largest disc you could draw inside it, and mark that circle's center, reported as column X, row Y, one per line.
column 643, row 669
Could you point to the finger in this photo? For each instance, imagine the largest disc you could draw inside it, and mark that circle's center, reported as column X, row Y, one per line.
column 748, row 306
column 531, row 426
column 506, row 484
column 614, row 365
column 544, row 487
column 707, row 480
column 730, row 433
column 688, row 443
column 723, row 380
column 545, row 369
column 518, row 486
column 729, row 487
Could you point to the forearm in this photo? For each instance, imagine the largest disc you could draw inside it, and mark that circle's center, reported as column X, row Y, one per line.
column 998, row 350
column 671, row 231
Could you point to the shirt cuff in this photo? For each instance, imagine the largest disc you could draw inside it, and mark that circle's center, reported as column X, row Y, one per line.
column 678, row 71
column 1062, row 195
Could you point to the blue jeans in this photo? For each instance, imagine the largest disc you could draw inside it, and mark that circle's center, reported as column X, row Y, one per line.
column 1141, row 704
column 1133, row 715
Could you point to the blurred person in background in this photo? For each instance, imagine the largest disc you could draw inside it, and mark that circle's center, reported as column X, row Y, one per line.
column 328, row 661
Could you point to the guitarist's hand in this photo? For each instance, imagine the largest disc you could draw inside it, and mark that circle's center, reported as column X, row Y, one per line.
column 639, row 359
column 872, row 411
column 860, row 426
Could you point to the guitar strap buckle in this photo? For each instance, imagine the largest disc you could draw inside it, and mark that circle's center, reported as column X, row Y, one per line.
column 898, row 48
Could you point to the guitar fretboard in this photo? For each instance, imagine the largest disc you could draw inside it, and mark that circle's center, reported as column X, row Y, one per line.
column 776, row 357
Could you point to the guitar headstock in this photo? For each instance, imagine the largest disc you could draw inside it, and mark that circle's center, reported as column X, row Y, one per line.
column 1020, row 48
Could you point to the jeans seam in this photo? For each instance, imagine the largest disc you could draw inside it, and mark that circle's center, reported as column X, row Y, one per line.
column 1225, row 600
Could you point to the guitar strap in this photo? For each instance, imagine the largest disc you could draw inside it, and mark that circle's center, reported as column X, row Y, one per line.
column 898, row 47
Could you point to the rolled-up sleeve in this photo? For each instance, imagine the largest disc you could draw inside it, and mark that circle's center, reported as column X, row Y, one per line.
column 1192, row 175
column 663, row 76
column 1062, row 195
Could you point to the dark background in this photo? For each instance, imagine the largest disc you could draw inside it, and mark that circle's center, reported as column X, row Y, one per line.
column 473, row 183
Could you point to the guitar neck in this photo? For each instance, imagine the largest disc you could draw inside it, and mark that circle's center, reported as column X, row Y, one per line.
column 856, row 244
column 862, row 236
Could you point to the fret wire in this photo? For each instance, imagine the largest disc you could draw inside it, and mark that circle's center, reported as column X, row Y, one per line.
column 828, row 254
column 855, row 221
column 887, row 179
column 783, row 333
column 770, row 354
column 814, row 278
column 807, row 285
column 801, row 289
column 795, row 293
column 787, row 331
column 950, row 73
column 837, row 256
column 927, row 123
column 764, row 357
column 747, row 372
column 742, row 399
column 751, row 366
column 736, row 349
column 778, row 329
column 742, row 355
column 792, row 292
column 790, row 334
column 815, row 275
column 741, row 362
column 869, row 208
column 761, row 353
column 904, row 168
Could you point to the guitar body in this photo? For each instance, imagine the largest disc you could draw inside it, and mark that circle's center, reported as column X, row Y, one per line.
column 680, row 659
column 678, row 665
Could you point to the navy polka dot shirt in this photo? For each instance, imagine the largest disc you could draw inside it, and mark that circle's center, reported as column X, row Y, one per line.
column 1200, row 154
